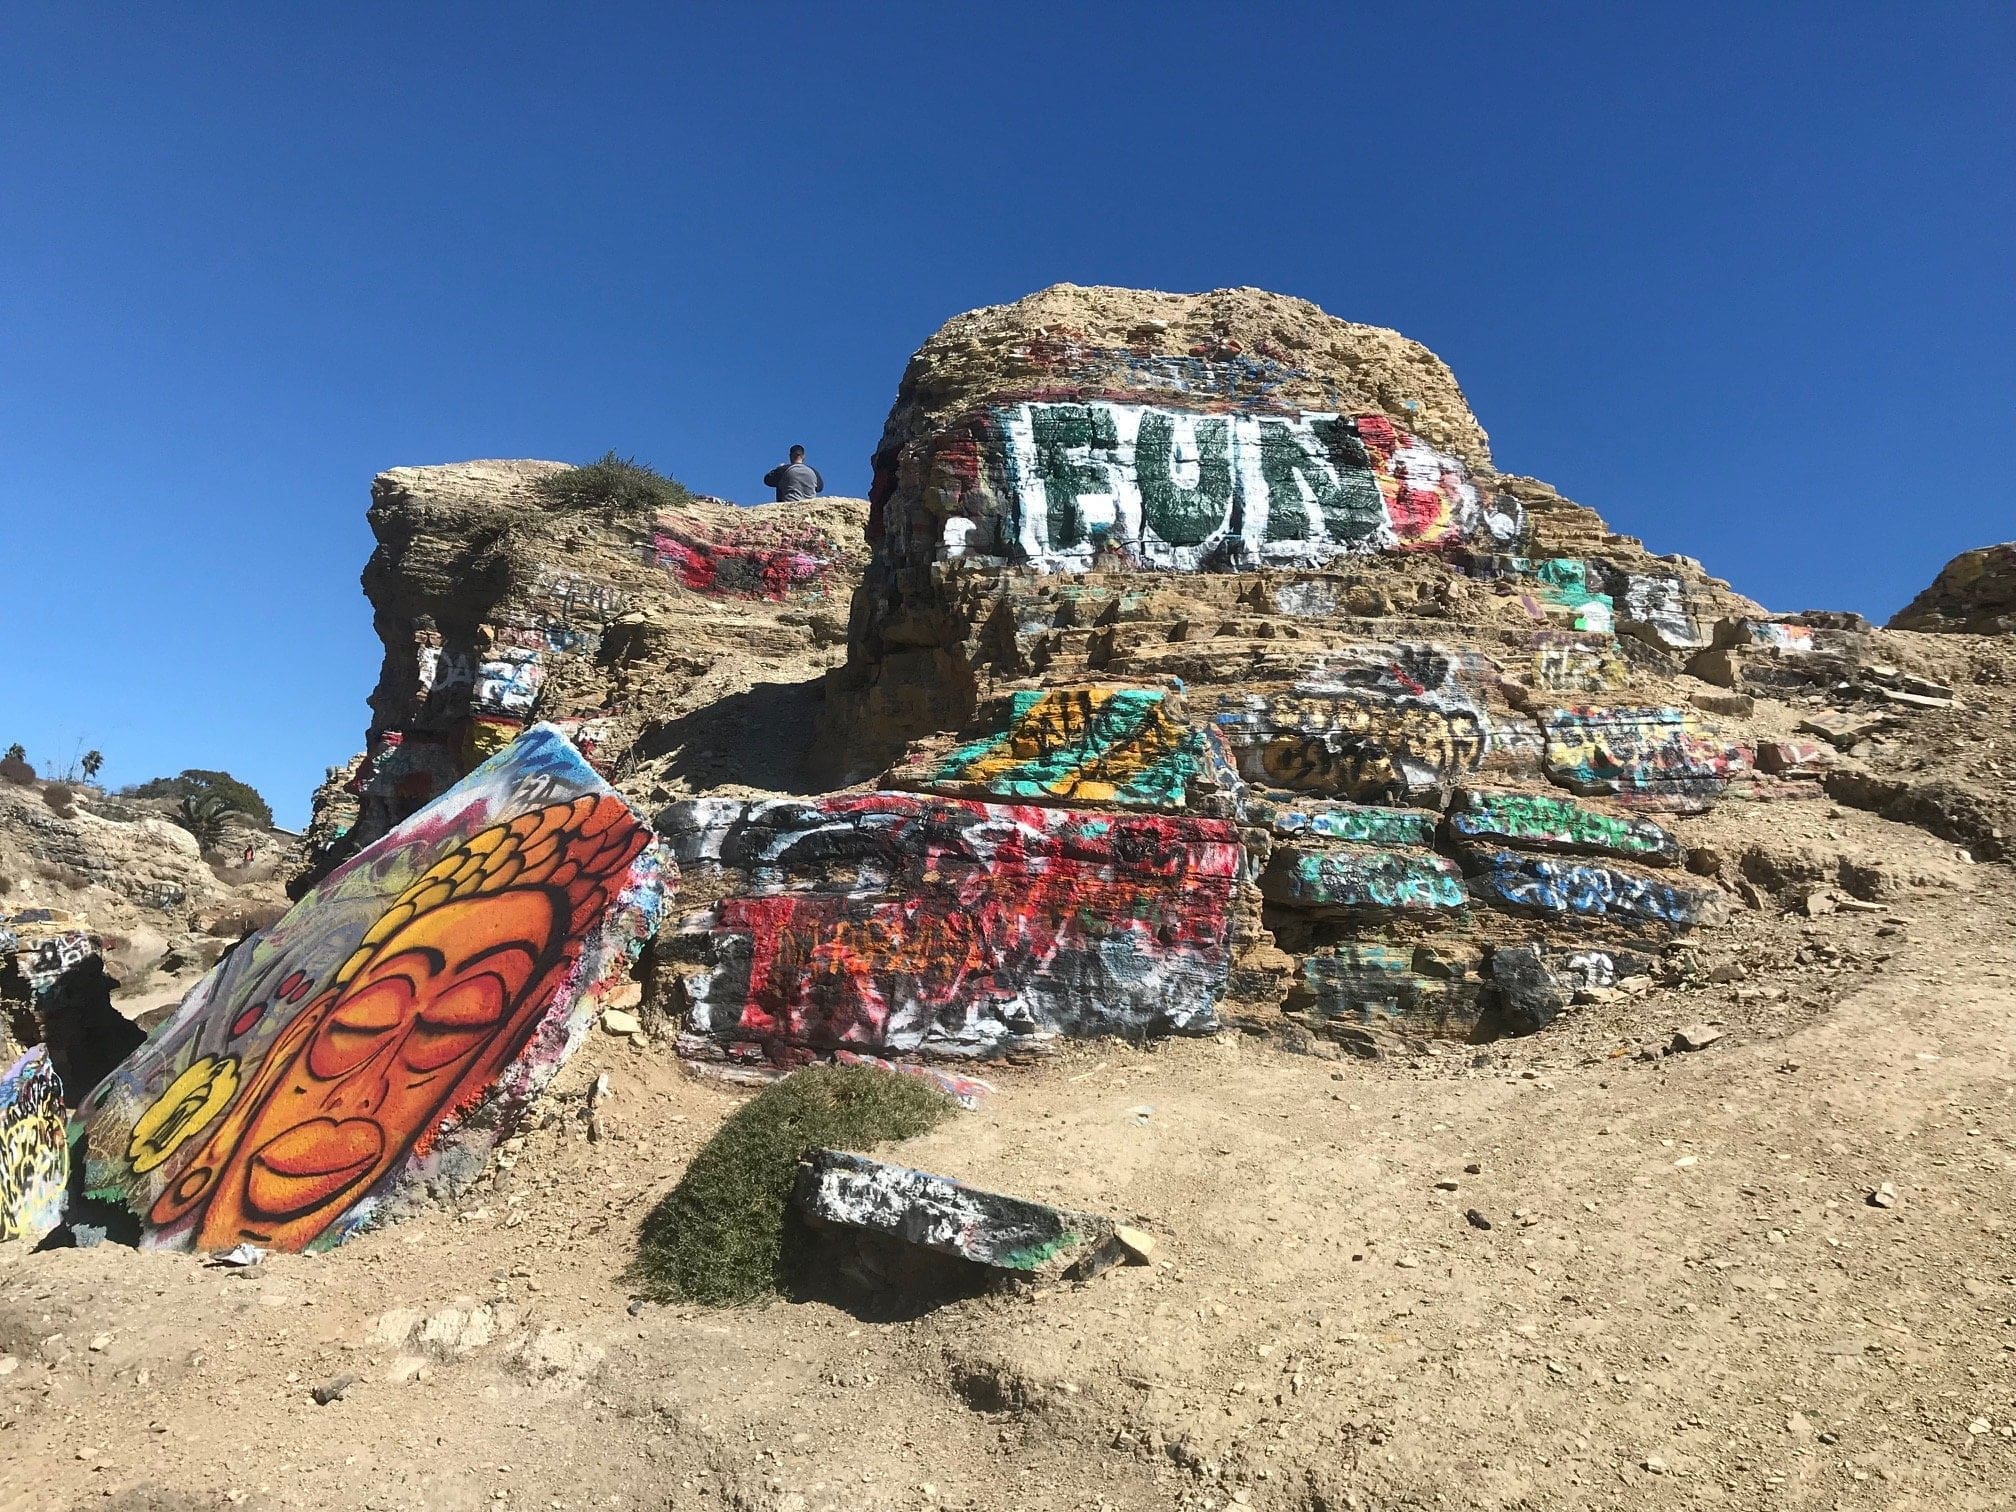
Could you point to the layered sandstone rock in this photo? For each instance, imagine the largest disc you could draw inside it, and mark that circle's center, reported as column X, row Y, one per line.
column 1221, row 568
column 1975, row 592
column 1231, row 458
column 675, row 650
column 119, row 872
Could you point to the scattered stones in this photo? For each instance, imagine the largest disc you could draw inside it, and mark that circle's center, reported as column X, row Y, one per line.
column 619, row 1022
column 332, row 1390
column 1884, row 1196
column 1695, row 1037
column 1476, row 1219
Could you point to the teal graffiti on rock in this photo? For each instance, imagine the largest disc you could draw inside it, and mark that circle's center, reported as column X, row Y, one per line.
column 1537, row 819
column 1360, row 822
column 1376, row 880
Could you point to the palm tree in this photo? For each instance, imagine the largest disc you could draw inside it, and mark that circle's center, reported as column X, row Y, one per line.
column 204, row 816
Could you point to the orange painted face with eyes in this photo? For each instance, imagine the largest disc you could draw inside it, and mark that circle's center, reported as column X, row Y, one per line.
column 442, row 994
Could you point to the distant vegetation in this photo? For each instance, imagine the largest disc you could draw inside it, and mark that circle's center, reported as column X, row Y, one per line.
column 204, row 816
column 720, row 1236
column 232, row 795
column 616, row 486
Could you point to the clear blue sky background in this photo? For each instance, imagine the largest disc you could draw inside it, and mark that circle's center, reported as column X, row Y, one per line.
column 1741, row 277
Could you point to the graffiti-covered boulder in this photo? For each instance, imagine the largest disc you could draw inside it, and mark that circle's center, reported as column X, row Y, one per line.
column 896, row 922
column 878, row 1200
column 381, row 1037
column 1061, row 479
column 1226, row 557
column 34, row 1149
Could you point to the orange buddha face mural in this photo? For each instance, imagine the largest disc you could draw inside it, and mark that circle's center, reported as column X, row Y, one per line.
column 442, row 993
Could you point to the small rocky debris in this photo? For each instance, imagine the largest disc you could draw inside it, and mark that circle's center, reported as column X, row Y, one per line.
column 1695, row 1037
column 332, row 1389
column 1476, row 1219
column 618, row 1021
column 1139, row 1243
column 1884, row 1196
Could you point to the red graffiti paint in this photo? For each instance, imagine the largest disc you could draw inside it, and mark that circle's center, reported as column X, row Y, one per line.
column 734, row 569
column 982, row 911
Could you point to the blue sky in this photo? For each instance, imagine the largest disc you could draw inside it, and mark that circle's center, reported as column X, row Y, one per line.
column 1740, row 277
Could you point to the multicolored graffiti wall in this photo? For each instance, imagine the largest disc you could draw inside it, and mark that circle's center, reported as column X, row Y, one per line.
column 1122, row 746
column 34, row 1150
column 385, row 1033
column 892, row 922
column 1178, row 490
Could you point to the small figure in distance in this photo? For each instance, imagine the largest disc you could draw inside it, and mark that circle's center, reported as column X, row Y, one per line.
column 796, row 479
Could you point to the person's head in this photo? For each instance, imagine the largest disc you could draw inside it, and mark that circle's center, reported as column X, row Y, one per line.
column 797, row 454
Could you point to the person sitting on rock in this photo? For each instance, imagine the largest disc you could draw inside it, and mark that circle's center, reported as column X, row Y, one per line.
column 796, row 479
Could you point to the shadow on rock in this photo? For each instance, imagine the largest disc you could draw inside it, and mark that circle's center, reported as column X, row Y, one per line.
column 758, row 738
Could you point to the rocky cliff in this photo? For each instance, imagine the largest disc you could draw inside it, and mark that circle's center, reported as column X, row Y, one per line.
column 118, row 874
column 676, row 649
column 1975, row 592
column 1185, row 444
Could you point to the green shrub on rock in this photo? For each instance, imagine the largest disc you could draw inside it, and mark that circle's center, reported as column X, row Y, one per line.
column 616, row 486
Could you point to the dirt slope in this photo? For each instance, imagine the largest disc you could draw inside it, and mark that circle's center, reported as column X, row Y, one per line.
column 1683, row 1270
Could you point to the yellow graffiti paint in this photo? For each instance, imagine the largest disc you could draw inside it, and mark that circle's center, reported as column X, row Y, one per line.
column 190, row 1102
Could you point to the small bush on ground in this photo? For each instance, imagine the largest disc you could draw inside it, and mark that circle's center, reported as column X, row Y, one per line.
column 719, row 1237
column 616, row 486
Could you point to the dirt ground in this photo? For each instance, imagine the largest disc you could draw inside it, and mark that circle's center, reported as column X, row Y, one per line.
column 1685, row 1297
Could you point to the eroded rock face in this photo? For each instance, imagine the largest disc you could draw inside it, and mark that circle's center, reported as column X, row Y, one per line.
column 656, row 642
column 1975, row 592
column 118, row 872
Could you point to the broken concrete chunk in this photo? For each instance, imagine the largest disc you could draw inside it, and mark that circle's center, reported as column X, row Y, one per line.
column 1009, row 1234
column 1139, row 1243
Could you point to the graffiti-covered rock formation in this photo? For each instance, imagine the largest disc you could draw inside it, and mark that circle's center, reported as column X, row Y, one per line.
column 1044, row 452
column 382, row 1036
column 656, row 641
column 1224, row 560
column 1975, row 592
